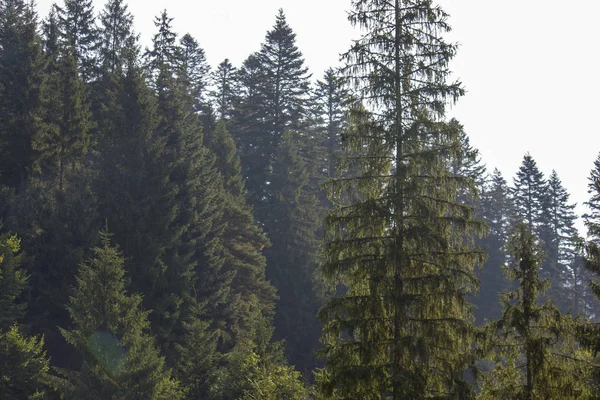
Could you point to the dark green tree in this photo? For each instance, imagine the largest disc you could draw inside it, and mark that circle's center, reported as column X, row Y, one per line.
column 243, row 238
column 292, row 224
column 331, row 96
column 275, row 97
column 24, row 366
column 590, row 332
column 496, row 208
column 13, row 280
column 226, row 89
column 558, row 221
column 528, row 191
column 194, row 265
column 164, row 55
column 78, row 31
column 67, row 138
column 195, row 71
column 22, row 86
column 398, row 240
column 111, row 331
column 116, row 36
column 535, row 350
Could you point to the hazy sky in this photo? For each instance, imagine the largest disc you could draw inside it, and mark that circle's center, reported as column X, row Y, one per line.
column 530, row 67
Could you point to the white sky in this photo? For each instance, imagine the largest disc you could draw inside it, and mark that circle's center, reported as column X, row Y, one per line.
column 530, row 67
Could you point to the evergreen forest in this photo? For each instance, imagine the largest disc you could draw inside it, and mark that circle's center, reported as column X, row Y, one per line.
column 180, row 231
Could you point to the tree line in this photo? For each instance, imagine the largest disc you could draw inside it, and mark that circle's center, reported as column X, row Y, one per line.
column 173, row 231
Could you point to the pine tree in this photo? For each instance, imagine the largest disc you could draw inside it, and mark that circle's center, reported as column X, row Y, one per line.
column 67, row 138
column 276, row 85
column 194, row 71
column 243, row 238
column 164, row 55
column 135, row 193
column 402, row 328
column 590, row 332
column 292, row 224
column 111, row 332
column 24, row 366
column 226, row 87
column 528, row 193
column 116, row 36
column 496, row 209
column 12, row 281
column 194, row 264
column 249, row 129
column 558, row 218
column 593, row 217
column 78, row 31
column 534, row 341
column 331, row 96
column 22, row 83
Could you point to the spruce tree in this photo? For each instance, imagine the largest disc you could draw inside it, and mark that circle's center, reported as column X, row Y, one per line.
column 194, row 264
column 331, row 97
column 243, row 238
column 528, row 193
column 276, row 85
column 78, row 31
column 558, row 221
column 111, row 332
column 249, row 129
column 67, row 139
column 116, row 36
column 12, row 281
column 225, row 83
column 22, row 83
column 402, row 328
column 533, row 343
column 590, row 332
column 292, row 224
column 164, row 53
column 24, row 366
column 194, row 71
column 135, row 193
column 496, row 209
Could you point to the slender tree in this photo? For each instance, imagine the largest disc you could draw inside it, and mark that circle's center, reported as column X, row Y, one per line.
column 496, row 208
column 195, row 70
column 292, row 223
column 402, row 328
column 116, row 35
column 78, row 31
column 67, row 139
column 225, row 83
column 558, row 221
column 22, row 83
column 24, row 366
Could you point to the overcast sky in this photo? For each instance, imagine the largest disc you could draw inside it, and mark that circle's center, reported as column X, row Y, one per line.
column 530, row 67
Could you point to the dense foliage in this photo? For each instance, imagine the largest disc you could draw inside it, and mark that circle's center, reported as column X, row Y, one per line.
column 174, row 230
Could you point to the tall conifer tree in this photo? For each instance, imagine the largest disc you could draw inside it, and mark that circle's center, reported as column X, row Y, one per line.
column 402, row 328
column 226, row 86
column 22, row 83
column 496, row 209
column 79, row 32
column 277, row 91
column 536, row 354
